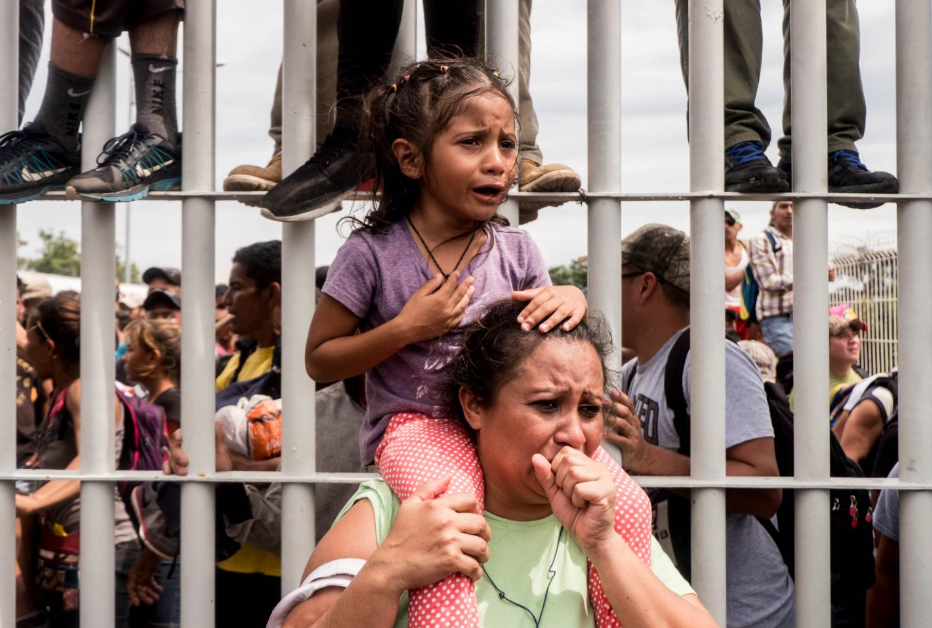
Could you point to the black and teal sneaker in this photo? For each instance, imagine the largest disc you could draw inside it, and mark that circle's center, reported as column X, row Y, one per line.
column 32, row 163
column 129, row 167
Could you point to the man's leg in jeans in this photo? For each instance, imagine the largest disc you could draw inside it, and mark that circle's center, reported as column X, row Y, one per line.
column 533, row 175
column 31, row 27
column 249, row 178
column 366, row 32
column 847, row 110
column 747, row 133
column 148, row 156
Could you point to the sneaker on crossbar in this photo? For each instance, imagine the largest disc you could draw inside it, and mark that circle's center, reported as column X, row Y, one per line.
column 319, row 186
column 129, row 167
column 32, row 163
column 747, row 170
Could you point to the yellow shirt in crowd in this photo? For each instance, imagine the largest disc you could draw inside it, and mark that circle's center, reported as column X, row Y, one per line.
column 249, row 558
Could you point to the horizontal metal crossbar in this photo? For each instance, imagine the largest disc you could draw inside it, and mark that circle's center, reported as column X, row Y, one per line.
column 582, row 196
column 265, row 477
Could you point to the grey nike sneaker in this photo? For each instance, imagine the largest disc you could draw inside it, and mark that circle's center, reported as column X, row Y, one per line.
column 129, row 167
column 32, row 163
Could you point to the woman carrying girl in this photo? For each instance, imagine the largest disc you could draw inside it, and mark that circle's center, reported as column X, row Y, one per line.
column 423, row 265
column 53, row 332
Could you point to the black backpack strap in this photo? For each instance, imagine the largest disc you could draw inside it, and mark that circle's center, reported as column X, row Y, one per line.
column 773, row 242
column 626, row 383
column 673, row 389
column 247, row 348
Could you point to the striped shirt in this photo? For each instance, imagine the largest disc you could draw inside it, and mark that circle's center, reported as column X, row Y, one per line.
column 773, row 271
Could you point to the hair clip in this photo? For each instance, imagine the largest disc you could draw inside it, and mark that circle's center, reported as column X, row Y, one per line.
column 394, row 88
column 444, row 68
column 406, row 77
column 496, row 74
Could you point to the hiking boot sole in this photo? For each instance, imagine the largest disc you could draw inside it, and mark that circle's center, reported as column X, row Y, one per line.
column 881, row 187
column 767, row 185
column 31, row 195
column 328, row 206
column 135, row 193
column 247, row 183
column 557, row 181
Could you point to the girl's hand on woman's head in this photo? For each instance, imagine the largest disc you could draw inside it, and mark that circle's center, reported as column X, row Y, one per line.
column 433, row 537
column 436, row 308
column 551, row 306
column 581, row 493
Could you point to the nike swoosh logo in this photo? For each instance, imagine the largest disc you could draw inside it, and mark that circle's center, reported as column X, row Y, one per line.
column 75, row 94
column 156, row 70
column 145, row 172
column 38, row 176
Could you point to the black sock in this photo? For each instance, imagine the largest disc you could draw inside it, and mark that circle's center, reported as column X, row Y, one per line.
column 155, row 94
column 63, row 105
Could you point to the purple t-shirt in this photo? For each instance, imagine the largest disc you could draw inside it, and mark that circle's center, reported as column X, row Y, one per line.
column 374, row 276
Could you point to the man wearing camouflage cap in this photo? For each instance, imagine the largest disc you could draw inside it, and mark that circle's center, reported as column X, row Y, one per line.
column 655, row 313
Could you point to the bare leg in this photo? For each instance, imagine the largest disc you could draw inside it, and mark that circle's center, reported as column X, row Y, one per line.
column 74, row 52
column 157, row 35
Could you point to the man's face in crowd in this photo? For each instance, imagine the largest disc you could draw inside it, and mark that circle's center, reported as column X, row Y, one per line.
column 845, row 348
column 250, row 306
column 782, row 216
column 165, row 313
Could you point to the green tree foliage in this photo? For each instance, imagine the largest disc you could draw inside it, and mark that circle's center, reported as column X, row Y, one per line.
column 61, row 255
column 572, row 274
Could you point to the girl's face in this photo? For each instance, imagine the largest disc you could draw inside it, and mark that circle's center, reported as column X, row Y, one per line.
column 473, row 162
column 554, row 401
column 139, row 362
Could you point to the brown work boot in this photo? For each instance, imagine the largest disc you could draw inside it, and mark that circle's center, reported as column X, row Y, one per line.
column 533, row 177
column 248, row 178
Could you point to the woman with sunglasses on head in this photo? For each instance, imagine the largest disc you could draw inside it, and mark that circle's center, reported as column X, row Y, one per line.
column 53, row 350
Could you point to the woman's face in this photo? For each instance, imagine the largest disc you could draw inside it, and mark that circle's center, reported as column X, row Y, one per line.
column 39, row 349
column 554, row 401
column 139, row 362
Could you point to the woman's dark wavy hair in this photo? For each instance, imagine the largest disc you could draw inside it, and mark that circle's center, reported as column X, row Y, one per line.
column 59, row 320
column 417, row 105
column 495, row 347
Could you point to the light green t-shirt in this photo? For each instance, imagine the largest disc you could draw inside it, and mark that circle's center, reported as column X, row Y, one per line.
column 521, row 553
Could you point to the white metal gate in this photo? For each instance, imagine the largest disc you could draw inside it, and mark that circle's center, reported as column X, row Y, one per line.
column 604, row 199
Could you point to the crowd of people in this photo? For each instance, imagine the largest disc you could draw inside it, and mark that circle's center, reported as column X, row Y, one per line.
column 445, row 359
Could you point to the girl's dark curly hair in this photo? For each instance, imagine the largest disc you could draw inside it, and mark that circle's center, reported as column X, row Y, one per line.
column 495, row 347
column 417, row 105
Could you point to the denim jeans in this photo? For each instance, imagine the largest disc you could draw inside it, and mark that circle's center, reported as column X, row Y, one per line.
column 778, row 333
column 31, row 26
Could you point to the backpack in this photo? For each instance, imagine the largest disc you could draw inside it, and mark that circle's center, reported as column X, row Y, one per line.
column 750, row 289
column 851, row 536
column 145, row 432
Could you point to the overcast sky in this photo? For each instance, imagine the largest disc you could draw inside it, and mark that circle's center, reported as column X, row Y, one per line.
column 655, row 154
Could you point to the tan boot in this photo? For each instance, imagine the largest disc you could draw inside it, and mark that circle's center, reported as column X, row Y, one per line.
column 547, row 178
column 248, row 178
column 533, row 177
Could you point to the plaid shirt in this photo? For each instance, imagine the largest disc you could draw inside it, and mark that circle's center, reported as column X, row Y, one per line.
column 773, row 271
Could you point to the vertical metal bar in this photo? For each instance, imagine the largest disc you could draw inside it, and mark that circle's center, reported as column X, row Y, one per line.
column 810, row 309
column 406, row 43
column 197, row 351
column 299, row 427
column 502, row 50
column 603, row 118
column 9, row 119
column 98, row 270
column 707, row 293
column 914, row 228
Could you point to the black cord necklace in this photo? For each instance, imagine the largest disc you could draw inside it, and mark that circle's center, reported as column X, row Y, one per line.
column 430, row 253
column 551, row 575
